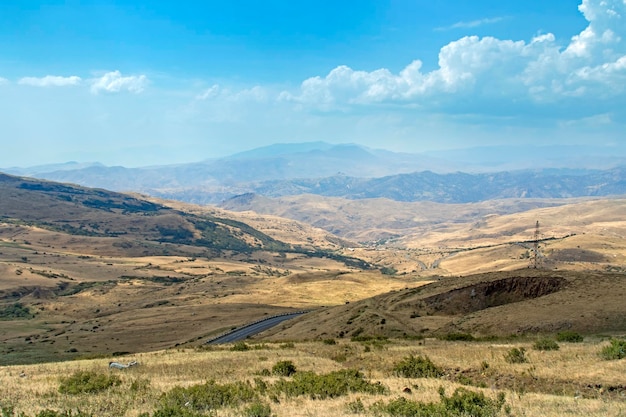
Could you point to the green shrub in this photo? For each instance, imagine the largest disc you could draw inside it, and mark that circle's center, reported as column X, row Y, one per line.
column 331, row 385
column 464, row 402
column 616, row 350
column 545, row 344
column 174, row 412
column 329, row 342
column 417, row 367
column 8, row 411
column 206, row 397
column 355, row 407
column 516, row 355
column 52, row 413
column 87, row 382
column 569, row 336
column 15, row 311
column 257, row 409
column 453, row 337
column 284, row 368
column 240, row 347
column 461, row 403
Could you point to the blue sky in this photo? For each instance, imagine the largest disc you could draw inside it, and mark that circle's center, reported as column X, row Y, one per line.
column 139, row 83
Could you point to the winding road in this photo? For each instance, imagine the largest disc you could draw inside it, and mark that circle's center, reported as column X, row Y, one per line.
column 248, row 330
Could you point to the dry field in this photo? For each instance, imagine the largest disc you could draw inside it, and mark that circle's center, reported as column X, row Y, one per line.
column 88, row 304
column 526, row 301
column 572, row 381
column 121, row 287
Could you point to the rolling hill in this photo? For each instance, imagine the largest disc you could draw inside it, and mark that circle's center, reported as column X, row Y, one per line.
column 501, row 304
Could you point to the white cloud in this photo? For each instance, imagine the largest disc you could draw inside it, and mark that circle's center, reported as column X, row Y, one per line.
column 256, row 93
column 114, row 82
column 209, row 93
column 3, row 81
column 472, row 24
column 50, row 81
column 485, row 74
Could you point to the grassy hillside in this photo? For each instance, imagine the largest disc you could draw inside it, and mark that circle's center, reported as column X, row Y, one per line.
column 519, row 302
column 382, row 377
column 138, row 223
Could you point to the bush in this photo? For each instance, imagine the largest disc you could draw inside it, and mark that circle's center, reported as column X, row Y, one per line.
column 15, row 311
column 174, row 412
column 356, row 407
column 417, row 367
column 257, row 409
column 87, row 382
column 462, row 402
column 284, row 368
column 453, row 337
column 8, row 411
column 52, row 413
column 206, row 397
column 546, row 344
column 616, row 350
column 329, row 342
column 516, row 355
column 240, row 347
column 325, row 386
column 569, row 336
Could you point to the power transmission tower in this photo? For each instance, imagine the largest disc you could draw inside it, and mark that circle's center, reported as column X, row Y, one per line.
column 535, row 258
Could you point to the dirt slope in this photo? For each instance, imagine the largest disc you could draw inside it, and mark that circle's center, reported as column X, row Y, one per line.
column 499, row 303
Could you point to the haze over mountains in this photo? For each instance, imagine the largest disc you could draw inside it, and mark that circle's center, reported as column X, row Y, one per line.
column 355, row 172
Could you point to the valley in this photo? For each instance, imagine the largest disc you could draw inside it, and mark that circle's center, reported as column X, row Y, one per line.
column 89, row 275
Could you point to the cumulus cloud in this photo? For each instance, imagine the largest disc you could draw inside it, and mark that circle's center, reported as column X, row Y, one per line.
column 114, row 82
column 50, row 81
column 487, row 71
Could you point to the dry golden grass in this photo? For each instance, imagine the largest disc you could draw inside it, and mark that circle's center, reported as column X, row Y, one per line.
column 529, row 387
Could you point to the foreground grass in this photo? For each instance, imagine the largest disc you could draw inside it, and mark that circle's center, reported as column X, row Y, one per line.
column 346, row 378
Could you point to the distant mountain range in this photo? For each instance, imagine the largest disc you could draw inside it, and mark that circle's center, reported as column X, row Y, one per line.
column 355, row 172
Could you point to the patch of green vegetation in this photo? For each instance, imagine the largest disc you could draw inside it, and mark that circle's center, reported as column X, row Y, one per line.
column 15, row 311
column 616, row 350
column 569, row 336
column 461, row 403
column 457, row 337
column 331, row 385
column 7, row 411
column 257, row 409
column 205, row 398
column 127, row 205
column 47, row 274
column 388, row 270
column 417, row 367
column 516, row 355
column 87, row 382
column 347, row 260
column 284, row 368
column 240, row 347
column 355, row 407
column 545, row 344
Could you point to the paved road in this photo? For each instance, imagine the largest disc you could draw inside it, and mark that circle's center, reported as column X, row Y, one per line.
column 252, row 329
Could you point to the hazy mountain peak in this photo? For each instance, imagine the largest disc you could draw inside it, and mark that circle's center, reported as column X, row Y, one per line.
column 279, row 149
